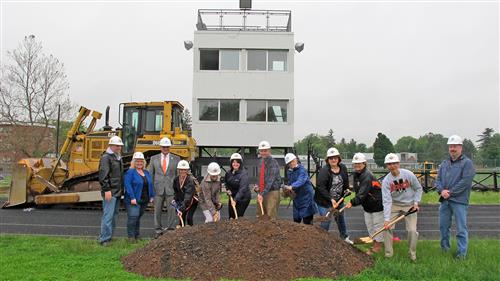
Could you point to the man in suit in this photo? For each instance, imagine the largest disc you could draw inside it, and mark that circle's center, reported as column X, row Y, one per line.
column 162, row 168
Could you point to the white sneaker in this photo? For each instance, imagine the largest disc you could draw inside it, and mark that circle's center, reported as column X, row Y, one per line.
column 348, row 241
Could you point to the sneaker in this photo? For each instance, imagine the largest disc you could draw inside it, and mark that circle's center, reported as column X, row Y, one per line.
column 348, row 241
column 413, row 258
column 104, row 243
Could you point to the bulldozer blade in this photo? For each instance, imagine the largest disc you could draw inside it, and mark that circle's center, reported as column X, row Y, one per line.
column 18, row 188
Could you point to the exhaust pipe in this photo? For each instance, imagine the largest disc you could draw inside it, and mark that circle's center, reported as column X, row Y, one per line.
column 106, row 118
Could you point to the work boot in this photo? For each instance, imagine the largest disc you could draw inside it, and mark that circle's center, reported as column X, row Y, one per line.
column 377, row 246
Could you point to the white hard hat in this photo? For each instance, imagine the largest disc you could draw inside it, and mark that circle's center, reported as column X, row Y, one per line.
column 236, row 156
column 391, row 158
column 138, row 155
column 359, row 158
column 289, row 157
column 264, row 145
column 183, row 165
column 455, row 140
column 115, row 140
column 332, row 151
column 213, row 169
column 165, row 142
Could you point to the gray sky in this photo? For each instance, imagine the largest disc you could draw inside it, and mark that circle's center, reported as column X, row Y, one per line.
column 403, row 68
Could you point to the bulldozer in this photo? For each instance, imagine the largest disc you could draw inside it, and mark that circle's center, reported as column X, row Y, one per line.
column 72, row 177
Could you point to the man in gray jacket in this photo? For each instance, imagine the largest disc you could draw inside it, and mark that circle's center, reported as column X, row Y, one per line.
column 162, row 168
column 401, row 191
column 269, row 182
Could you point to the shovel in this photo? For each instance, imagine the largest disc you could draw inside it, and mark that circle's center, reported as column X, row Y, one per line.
column 174, row 204
column 261, row 208
column 394, row 220
column 233, row 205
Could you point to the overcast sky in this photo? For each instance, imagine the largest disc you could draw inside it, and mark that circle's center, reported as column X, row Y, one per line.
column 405, row 68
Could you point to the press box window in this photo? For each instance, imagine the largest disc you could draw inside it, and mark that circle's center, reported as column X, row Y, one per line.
column 229, row 110
column 276, row 111
column 219, row 110
column 256, row 110
column 257, row 60
column 277, row 60
column 229, row 59
column 209, row 110
column 209, row 59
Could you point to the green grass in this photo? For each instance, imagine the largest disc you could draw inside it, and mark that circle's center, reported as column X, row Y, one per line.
column 54, row 258
column 476, row 198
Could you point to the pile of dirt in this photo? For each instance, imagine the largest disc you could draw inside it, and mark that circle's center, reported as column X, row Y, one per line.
column 248, row 250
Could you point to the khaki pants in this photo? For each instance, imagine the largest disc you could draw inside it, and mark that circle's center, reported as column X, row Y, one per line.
column 411, row 228
column 270, row 204
column 375, row 221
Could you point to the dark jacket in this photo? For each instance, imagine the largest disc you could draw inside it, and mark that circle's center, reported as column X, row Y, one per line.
column 111, row 174
column 133, row 185
column 368, row 191
column 303, row 203
column 323, row 196
column 238, row 184
column 272, row 177
column 183, row 196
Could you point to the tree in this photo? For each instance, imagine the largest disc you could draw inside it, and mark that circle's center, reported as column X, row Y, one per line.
column 31, row 88
column 406, row 144
column 330, row 138
column 187, row 120
column 469, row 149
column 381, row 147
column 485, row 137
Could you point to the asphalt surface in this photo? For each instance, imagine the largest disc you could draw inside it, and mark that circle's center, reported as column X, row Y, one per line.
column 483, row 221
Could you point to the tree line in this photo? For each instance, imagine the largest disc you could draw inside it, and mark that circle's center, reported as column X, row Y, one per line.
column 430, row 147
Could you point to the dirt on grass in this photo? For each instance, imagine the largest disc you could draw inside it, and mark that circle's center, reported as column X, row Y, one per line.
column 262, row 249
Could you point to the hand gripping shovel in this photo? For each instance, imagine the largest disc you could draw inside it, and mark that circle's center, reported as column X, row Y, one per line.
column 336, row 212
column 394, row 220
column 179, row 215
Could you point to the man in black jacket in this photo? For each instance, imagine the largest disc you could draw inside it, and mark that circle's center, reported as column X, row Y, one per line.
column 369, row 195
column 111, row 180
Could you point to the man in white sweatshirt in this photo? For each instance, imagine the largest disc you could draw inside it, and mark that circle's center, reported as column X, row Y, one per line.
column 401, row 191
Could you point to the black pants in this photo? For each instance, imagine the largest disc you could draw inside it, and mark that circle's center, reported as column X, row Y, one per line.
column 241, row 207
column 306, row 220
column 187, row 216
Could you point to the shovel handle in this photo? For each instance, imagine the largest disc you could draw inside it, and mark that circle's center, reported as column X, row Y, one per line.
column 232, row 206
column 261, row 208
column 182, row 221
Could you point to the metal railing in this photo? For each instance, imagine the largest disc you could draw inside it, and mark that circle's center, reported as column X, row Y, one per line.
column 242, row 18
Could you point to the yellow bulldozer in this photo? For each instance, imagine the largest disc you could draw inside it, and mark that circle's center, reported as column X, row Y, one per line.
column 72, row 176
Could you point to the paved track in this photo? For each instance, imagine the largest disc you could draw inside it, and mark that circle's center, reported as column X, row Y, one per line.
column 483, row 221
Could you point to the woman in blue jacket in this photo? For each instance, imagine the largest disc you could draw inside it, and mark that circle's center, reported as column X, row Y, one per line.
column 304, row 207
column 138, row 193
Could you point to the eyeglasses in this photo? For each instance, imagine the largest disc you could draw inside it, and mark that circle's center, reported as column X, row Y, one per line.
column 333, row 157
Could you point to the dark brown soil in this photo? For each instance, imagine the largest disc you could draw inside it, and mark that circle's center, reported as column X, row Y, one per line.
column 250, row 250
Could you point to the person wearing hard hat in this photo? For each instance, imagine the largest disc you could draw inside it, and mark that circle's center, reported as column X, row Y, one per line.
column 138, row 193
column 304, row 207
column 210, row 193
column 237, row 185
column 269, row 181
column 162, row 168
column 369, row 195
column 111, row 180
column 401, row 191
column 454, row 184
column 332, row 183
column 185, row 201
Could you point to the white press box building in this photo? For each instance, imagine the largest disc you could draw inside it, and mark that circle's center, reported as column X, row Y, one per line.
column 243, row 80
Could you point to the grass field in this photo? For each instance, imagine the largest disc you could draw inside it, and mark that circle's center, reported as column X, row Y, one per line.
column 54, row 258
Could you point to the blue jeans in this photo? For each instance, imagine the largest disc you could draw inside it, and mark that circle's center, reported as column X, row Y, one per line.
column 134, row 214
column 108, row 222
column 446, row 210
column 341, row 222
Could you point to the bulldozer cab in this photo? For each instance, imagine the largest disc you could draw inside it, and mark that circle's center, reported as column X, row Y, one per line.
column 144, row 124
